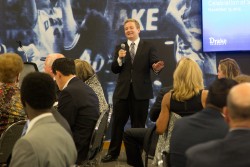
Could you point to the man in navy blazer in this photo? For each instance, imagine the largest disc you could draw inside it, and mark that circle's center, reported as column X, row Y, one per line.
column 133, row 61
column 234, row 149
column 77, row 103
column 203, row 126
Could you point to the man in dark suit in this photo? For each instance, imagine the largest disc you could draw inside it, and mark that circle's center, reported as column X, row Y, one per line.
column 77, row 103
column 203, row 126
column 132, row 61
column 234, row 149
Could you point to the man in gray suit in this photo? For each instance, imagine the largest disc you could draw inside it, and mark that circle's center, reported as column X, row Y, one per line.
column 46, row 142
column 234, row 148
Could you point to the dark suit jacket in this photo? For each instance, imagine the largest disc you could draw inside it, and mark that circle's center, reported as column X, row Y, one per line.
column 61, row 120
column 156, row 108
column 138, row 72
column 203, row 126
column 79, row 105
column 232, row 151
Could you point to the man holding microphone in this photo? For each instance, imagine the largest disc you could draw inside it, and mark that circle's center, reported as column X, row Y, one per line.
column 132, row 61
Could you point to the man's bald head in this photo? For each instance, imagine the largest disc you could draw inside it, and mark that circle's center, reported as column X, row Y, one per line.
column 238, row 102
column 49, row 61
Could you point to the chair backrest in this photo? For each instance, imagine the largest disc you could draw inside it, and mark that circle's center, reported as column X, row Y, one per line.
column 149, row 143
column 9, row 138
column 165, row 159
column 28, row 67
column 110, row 114
column 98, row 135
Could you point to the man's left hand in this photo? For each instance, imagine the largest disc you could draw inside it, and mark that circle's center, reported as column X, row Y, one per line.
column 158, row 66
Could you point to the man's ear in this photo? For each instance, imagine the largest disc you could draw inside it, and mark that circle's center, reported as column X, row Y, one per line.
column 58, row 73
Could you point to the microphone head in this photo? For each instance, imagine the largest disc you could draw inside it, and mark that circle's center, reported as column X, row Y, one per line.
column 123, row 46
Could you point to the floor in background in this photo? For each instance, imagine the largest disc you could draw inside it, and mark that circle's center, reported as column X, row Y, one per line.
column 121, row 162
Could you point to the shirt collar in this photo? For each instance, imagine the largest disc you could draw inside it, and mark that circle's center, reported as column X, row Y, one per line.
column 136, row 42
column 66, row 84
column 34, row 120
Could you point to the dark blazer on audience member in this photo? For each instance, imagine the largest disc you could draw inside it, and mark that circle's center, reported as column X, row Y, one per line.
column 79, row 105
column 46, row 144
column 156, row 108
column 203, row 126
column 232, row 151
column 61, row 120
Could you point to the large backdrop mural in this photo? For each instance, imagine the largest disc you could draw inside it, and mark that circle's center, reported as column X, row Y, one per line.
column 90, row 29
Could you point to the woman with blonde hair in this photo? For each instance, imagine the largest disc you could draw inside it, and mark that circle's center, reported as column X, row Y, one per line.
column 228, row 68
column 187, row 96
column 86, row 73
column 11, row 109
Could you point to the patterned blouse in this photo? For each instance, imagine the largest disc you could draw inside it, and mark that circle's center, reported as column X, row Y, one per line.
column 94, row 83
column 11, row 109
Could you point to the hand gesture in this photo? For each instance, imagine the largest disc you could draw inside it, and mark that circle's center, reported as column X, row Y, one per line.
column 158, row 66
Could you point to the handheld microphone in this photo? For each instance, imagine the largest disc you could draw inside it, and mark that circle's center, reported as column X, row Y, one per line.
column 123, row 47
column 21, row 46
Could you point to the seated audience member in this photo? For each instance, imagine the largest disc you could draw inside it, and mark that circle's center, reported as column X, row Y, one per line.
column 242, row 78
column 77, row 103
column 188, row 84
column 206, row 125
column 187, row 96
column 134, row 137
column 49, row 61
column 232, row 150
column 46, row 142
column 11, row 109
column 48, row 67
column 86, row 73
column 228, row 68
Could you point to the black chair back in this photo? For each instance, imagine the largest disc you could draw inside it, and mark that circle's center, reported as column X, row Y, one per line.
column 98, row 135
column 8, row 140
column 149, row 143
column 165, row 159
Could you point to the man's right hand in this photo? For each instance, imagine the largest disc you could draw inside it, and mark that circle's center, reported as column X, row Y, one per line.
column 122, row 53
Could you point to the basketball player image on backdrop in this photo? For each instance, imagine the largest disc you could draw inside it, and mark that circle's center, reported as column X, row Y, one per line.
column 185, row 16
column 92, row 41
column 49, row 21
